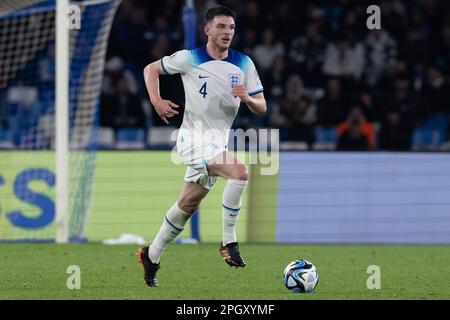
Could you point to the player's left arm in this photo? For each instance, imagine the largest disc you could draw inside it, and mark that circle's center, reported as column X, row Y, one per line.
column 256, row 102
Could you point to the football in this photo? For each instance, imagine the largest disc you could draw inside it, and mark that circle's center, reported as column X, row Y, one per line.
column 301, row 276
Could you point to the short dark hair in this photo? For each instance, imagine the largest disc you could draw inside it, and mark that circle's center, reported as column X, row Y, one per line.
column 219, row 11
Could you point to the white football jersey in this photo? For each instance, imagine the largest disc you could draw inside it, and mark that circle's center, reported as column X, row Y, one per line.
column 210, row 108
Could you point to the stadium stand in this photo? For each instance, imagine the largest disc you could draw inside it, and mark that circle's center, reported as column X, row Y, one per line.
column 404, row 92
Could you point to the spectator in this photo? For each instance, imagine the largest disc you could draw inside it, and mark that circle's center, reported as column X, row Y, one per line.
column 409, row 53
column 307, row 54
column 393, row 17
column 355, row 131
column 128, row 38
column 276, row 79
column 283, row 20
column 380, row 51
column 332, row 108
column 297, row 112
column 437, row 92
column 442, row 49
column 409, row 103
column 369, row 104
column 315, row 13
column 385, row 72
column 247, row 42
column 343, row 60
column 122, row 109
column 395, row 132
column 158, row 49
column 115, row 70
column 353, row 139
column 352, row 23
column 160, row 28
column 266, row 52
column 251, row 17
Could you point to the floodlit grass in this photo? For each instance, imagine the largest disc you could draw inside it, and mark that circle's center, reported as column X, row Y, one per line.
column 38, row 271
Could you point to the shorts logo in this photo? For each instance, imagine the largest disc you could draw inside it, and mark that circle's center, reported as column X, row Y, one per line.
column 234, row 79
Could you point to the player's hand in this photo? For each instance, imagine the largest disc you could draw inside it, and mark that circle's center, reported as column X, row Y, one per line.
column 165, row 109
column 241, row 92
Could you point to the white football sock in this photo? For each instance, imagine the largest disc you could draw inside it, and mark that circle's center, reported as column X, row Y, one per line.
column 231, row 205
column 173, row 224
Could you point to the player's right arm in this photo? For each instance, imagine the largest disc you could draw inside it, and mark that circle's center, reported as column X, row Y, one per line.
column 165, row 108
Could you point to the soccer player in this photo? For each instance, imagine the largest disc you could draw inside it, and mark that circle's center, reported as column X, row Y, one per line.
column 216, row 79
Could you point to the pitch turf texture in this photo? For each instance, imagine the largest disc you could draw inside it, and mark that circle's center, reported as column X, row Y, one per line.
column 38, row 271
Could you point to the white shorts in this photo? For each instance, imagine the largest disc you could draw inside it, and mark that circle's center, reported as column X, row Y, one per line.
column 196, row 158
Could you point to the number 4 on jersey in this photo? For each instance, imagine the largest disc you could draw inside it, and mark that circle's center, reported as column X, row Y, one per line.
column 203, row 90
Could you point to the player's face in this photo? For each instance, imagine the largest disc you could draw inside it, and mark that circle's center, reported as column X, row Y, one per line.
column 220, row 31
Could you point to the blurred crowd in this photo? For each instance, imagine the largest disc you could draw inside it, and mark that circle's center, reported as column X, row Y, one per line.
column 329, row 81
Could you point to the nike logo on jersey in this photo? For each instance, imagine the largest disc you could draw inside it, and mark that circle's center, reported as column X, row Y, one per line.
column 202, row 77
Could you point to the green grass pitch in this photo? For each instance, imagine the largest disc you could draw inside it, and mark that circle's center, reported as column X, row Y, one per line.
column 38, row 271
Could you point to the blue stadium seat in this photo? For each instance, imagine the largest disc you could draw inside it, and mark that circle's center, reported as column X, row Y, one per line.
column 105, row 138
column 426, row 139
column 130, row 138
column 6, row 139
column 436, row 122
column 160, row 137
column 47, row 98
column 432, row 134
column 325, row 135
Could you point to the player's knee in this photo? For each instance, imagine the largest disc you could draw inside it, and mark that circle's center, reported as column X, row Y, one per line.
column 240, row 173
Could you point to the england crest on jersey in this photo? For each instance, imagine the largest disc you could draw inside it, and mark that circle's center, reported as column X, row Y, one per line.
column 234, row 79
